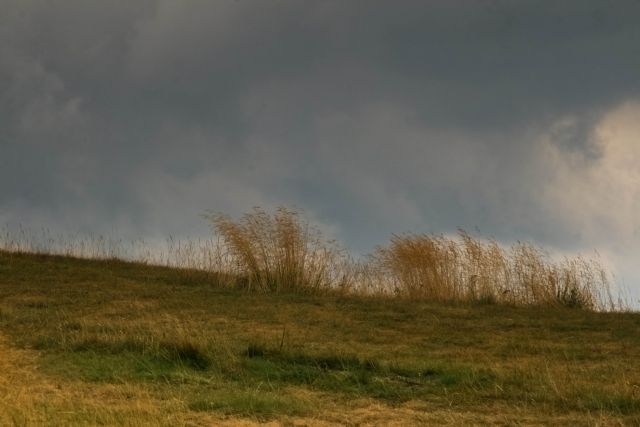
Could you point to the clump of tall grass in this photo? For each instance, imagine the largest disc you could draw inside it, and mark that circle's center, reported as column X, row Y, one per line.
column 465, row 268
column 281, row 252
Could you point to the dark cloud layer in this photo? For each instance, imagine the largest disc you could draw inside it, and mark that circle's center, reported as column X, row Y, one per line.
column 375, row 116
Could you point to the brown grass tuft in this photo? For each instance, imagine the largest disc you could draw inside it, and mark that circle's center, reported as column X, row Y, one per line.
column 441, row 268
column 281, row 252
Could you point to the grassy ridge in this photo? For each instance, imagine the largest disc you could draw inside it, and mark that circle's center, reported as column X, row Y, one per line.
column 283, row 252
column 111, row 342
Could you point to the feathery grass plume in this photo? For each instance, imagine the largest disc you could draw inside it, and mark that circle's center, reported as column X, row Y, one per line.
column 281, row 252
column 441, row 268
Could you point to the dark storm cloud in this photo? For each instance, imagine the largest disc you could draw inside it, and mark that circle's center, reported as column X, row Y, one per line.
column 375, row 116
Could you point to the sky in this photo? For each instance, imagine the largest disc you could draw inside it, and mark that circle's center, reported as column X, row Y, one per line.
column 520, row 120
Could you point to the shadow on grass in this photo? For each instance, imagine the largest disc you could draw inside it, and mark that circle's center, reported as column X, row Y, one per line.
column 364, row 377
column 101, row 359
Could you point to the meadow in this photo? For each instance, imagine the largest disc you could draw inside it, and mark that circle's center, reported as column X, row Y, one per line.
column 277, row 325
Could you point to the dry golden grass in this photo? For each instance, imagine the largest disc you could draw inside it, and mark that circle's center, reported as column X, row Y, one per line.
column 440, row 268
column 282, row 252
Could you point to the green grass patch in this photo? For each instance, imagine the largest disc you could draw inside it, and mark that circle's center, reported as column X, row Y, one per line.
column 350, row 374
column 109, row 368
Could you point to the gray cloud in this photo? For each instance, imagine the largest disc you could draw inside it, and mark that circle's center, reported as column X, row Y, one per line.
column 376, row 117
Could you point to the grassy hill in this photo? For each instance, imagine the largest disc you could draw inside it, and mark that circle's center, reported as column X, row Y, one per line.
column 111, row 342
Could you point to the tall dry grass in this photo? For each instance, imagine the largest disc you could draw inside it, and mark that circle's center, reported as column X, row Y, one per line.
column 282, row 252
column 465, row 268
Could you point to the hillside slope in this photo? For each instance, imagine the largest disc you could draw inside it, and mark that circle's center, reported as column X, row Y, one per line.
column 109, row 342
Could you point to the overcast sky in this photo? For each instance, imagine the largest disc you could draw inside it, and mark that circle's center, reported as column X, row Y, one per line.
column 517, row 118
